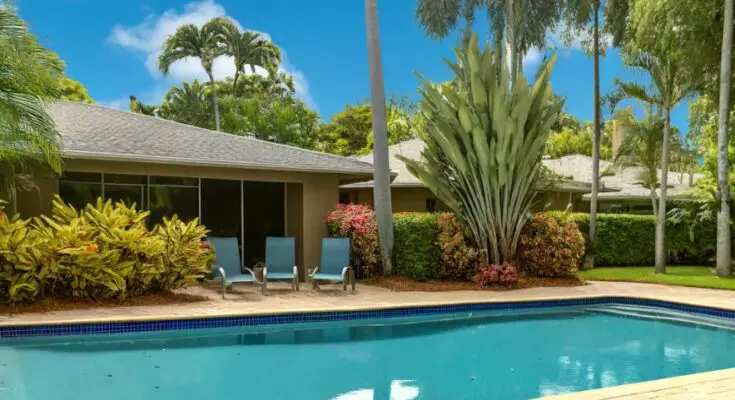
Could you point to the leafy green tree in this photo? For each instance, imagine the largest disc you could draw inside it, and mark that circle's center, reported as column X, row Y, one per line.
column 249, row 48
column 72, row 90
column 30, row 78
column 484, row 144
column 205, row 43
column 571, row 141
column 138, row 107
column 668, row 86
column 187, row 104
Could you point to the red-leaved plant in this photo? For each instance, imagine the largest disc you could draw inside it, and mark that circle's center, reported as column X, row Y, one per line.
column 357, row 222
column 491, row 275
column 459, row 259
column 551, row 247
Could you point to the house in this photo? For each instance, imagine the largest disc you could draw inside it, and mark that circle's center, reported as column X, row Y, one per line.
column 409, row 194
column 619, row 188
column 238, row 186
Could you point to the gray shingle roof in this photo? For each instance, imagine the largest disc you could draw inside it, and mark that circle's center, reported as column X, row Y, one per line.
column 101, row 133
column 412, row 149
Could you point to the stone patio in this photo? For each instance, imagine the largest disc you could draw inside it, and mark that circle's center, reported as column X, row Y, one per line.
column 248, row 300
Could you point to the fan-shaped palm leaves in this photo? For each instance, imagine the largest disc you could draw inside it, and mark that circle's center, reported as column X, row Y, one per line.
column 249, row 48
column 669, row 85
column 204, row 43
column 484, row 143
column 29, row 81
column 642, row 149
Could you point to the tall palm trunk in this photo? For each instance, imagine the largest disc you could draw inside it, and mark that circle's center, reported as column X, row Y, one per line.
column 723, row 179
column 512, row 40
column 381, row 176
column 595, row 137
column 661, row 217
column 215, row 106
column 234, row 81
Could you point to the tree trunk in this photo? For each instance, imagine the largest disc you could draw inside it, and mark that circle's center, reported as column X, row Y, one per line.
column 215, row 106
column 234, row 82
column 595, row 136
column 512, row 41
column 723, row 180
column 381, row 176
column 661, row 217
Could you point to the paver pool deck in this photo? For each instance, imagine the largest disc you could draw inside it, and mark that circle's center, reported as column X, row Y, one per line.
column 247, row 300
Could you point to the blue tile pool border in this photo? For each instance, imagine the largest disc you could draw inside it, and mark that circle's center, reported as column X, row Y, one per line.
column 104, row 328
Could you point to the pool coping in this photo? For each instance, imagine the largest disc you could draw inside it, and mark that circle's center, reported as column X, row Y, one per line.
column 152, row 323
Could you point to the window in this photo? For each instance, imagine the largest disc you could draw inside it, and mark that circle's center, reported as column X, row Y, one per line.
column 173, row 196
column 431, row 205
column 130, row 189
column 80, row 188
column 344, row 198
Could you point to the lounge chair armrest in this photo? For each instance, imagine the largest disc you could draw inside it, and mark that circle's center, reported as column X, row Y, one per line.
column 255, row 277
column 345, row 271
column 222, row 273
column 314, row 271
column 295, row 270
column 265, row 272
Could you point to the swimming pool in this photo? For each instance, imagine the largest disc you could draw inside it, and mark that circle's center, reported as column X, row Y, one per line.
column 458, row 354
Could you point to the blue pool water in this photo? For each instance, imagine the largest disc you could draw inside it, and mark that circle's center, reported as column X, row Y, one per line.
column 492, row 356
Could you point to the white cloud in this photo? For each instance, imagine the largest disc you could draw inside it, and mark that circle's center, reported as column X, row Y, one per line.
column 532, row 57
column 147, row 39
column 119, row 104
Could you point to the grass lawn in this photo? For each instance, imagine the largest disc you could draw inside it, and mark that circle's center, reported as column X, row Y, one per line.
column 680, row 275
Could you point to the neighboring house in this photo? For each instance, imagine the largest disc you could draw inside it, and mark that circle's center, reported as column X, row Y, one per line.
column 409, row 194
column 620, row 188
column 238, row 186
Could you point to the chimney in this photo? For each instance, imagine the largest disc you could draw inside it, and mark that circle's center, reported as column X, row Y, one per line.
column 619, row 132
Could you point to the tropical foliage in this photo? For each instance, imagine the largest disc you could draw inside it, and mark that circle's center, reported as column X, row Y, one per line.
column 551, row 247
column 490, row 275
column 358, row 223
column 415, row 244
column 458, row 257
column 72, row 90
column 484, row 143
column 30, row 78
column 103, row 251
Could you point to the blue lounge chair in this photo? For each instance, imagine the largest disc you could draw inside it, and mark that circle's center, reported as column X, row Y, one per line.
column 227, row 263
column 280, row 261
column 335, row 263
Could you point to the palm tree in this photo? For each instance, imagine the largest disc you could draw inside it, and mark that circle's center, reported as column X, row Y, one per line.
column 138, row 107
column 506, row 18
column 667, row 88
column 381, row 188
column 724, row 261
column 30, row 77
column 187, row 104
column 205, row 43
column 249, row 48
column 642, row 149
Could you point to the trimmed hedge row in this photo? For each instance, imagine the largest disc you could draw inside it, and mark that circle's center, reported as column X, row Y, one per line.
column 416, row 251
column 628, row 240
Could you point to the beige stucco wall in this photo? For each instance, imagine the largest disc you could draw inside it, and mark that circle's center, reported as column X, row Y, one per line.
column 309, row 196
column 403, row 199
column 409, row 199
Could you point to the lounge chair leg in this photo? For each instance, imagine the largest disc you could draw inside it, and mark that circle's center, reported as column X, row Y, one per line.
column 352, row 279
column 265, row 285
column 296, row 283
column 224, row 288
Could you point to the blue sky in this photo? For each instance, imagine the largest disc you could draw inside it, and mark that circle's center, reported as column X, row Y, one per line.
column 110, row 46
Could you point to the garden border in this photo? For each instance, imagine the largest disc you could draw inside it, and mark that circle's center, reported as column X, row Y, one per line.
column 91, row 328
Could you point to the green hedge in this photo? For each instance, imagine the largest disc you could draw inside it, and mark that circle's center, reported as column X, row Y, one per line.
column 416, row 251
column 627, row 240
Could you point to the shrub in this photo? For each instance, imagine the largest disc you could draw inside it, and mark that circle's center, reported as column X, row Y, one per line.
column 626, row 239
column 551, row 247
column 21, row 269
column 416, row 251
column 458, row 258
column 357, row 222
column 101, row 252
column 490, row 275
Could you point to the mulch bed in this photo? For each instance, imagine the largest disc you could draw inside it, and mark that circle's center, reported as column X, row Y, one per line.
column 403, row 284
column 48, row 305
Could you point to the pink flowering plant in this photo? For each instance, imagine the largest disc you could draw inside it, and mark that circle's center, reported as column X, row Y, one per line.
column 357, row 222
column 496, row 275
